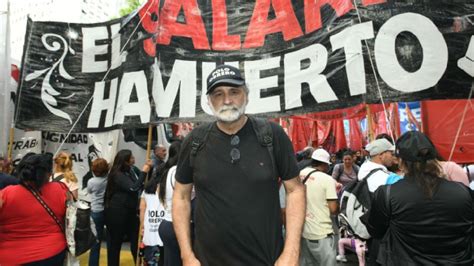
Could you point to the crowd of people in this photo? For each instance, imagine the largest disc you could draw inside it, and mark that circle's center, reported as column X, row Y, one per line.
column 234, row 192
column 421, row 210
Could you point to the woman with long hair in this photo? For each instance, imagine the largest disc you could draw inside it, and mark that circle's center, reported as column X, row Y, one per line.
column 164, row 185
column 121, row 204
column 29, row 235
column 424, row 219
column 153, row 208
column 63, row 172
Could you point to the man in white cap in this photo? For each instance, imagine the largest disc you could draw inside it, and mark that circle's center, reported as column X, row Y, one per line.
column 375, row 169
column 318, row 243
column 381, row 152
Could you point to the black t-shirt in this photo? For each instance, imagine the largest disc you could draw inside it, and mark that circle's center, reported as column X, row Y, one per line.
column 423, row 231
column 237, row 215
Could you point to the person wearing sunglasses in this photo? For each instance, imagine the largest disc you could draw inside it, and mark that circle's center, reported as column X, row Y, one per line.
column 237, row 214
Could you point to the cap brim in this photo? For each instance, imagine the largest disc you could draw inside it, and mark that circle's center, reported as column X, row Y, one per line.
column 322, row 161
column 231, row 82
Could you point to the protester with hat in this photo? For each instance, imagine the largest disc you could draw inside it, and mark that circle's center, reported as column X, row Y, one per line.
column 237, row 215
column 375, row 169
column 424, row 219
column 318, row 240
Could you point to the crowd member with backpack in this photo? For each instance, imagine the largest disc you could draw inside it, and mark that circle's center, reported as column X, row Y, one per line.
column 423, row 219
column 375, row 168
column 346, row 171
column 318, row 244
column 63, row 172
column 235, row 164
column 374, row 173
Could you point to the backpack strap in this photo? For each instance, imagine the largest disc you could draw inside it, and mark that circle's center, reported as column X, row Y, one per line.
column 340, row 171
column 387, row 200
column 58, row 178
column 307, row 176
column 264, row 132
column 373, row 171
column 468, row 171
column 198, row 138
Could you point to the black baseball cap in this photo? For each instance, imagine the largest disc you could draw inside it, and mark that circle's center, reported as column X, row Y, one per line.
column 224, row 75
column 415, row 146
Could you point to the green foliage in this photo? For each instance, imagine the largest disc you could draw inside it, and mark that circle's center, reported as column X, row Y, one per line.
column 131, row 5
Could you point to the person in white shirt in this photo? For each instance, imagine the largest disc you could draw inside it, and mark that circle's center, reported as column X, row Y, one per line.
column 381, row 155
column 375, row 169
column 166, row 189
column 318, row 244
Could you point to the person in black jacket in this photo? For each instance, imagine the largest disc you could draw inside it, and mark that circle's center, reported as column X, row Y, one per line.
column 121, row 204
column 424, row 219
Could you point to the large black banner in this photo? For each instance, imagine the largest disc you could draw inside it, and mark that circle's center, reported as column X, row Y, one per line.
column 297, row 57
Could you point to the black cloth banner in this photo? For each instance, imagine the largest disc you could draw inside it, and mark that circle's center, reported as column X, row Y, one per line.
column 297, row 57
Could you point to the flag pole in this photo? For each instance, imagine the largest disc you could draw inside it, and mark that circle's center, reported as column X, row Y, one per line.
column 6, row 95
column 10, row 143
column 148, row 153
column 369, row 123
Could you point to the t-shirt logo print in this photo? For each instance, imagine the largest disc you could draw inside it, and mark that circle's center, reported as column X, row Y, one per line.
column 221, row 72
column 48, row 92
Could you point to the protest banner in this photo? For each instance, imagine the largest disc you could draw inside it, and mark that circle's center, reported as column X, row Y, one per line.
column 297, row 57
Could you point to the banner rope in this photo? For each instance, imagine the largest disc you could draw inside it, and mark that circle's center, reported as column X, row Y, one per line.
column 468, row 103
column 105, row 76
column 375, row 76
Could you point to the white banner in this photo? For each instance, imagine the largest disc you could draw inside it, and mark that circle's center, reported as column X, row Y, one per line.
column 25, row 142
column 84, row 148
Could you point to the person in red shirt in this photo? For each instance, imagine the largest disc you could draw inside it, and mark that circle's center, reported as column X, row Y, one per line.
column 28, row 234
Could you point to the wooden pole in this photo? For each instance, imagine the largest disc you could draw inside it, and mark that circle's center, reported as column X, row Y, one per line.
column 148, row 153
column 369, row 123
column 149, row 141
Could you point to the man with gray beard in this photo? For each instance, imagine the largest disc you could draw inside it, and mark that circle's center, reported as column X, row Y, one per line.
column 237, row 213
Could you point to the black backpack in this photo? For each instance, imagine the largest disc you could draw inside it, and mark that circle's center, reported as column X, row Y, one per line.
column 262, row 128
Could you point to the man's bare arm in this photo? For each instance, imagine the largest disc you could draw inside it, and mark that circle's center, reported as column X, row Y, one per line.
column 333, row 206
column 181, row 221
column 295, row 215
